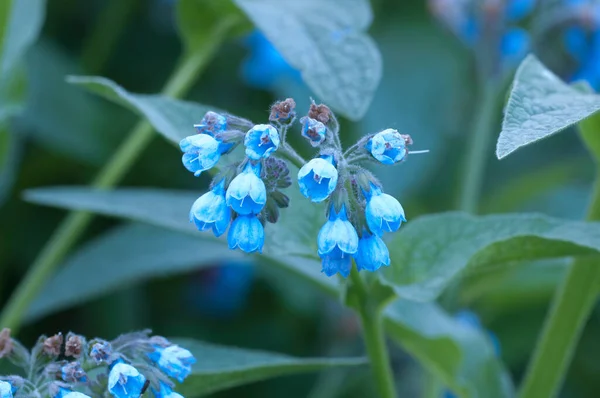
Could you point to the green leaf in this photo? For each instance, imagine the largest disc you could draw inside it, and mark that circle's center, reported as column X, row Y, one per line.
column 220, row 367
column 428, row 252
column 461, row 356
column 174, row 119
column 540, row 105
column 122, row 257
column 590, row 133
column 169, row 209
column 325, row 41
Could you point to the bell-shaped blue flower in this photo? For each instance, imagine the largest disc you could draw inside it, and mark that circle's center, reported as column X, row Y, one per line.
column 247, row 233
column 174, row 361
column 201, row 152
column 261, row 140
column 165, row 392
column 383, row 212
column 125, row 381
column 212, row 123
column 211, row 211
column 318, row 178
column 337, row 242
column 314, row 131
column 372, row 253
column 66, row 393
column 387, row 146
column 6, row 389
column 247, row 193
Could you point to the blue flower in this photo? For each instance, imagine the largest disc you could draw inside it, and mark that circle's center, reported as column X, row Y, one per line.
column 201, row 152
column 211, row 124
column 387, row 146
column 101, row 351
column 211, row 211
column 261, row 140
column 314, row 131
column 174, row 361
column 6, row 390
column 166, row 392
column 383, row 212
column 247, row 233
column 337, row 242
column 66, row 393
column 73, row 372
column 318, row 178
column 247, row 193
column 372, row 253
column 514, row 46
column 125, row 381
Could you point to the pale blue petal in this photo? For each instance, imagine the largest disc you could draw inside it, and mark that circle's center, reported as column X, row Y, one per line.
column 336, row 262
column 372, row 253
column 387, row 146
column 261, row 141
column 317, row 179
column 247, row 233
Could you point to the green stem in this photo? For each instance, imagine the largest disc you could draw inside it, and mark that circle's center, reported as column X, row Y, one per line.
column 72, row 227
column 371, row 316
column 570, row 310
column 478, row 148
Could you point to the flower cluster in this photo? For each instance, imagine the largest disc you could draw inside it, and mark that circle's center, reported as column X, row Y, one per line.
column 246, row 195
column 71, row 367
column 489, row 27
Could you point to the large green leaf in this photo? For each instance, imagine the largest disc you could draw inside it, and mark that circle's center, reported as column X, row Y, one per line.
column 174, row 119
column 459, row 355
column 540, row 105
column 325, row 40
column 220, row 367
column 428, row 252
column 122, row 257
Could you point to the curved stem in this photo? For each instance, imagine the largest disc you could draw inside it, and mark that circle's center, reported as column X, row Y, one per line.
column 290, row 154
column 72, row 227
column 477, row 148
column 570, row 310
column 371, row 317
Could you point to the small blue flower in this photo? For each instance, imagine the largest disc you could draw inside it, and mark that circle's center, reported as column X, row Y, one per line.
column 383, row 212
column 337, row 242
column 211, row 211
column 201, row 152
column 125, row 381
column 174, row 361
column 261, row 140
column 6, row 390
column 314, row 131
column 372, row 253
column 73, row 372
column 387, row 146
column 211, row 124
column 101, row 351
column 247, row 233
column 318, row 178
column 66, row 393
column 247, row 193
column 514, row 46
column 166, row 392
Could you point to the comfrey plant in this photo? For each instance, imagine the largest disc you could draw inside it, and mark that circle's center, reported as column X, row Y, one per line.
column 246, row 194
column 72, row 367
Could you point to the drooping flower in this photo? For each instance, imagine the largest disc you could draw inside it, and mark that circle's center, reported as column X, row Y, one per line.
column 210, row 211
column 211, row 124
column 66, row 393
column 201, row 152
column 247, row 233
column 247, row 193
column 372, row 253
column 383, row 212
column 174, row 361
column 6, row 390
column 261, row 140
column 101, row 351
column 165, row 392
column 125, row 381
column 337, row 242
column 314, row 131
column 73, row 372
column 387, row 146
column 318, row 178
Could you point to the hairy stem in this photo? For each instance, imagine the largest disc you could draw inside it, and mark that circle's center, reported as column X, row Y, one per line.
column 69, row 231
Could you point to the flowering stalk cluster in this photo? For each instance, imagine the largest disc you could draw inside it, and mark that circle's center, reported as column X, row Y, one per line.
column 72, row 367
column 247, row 194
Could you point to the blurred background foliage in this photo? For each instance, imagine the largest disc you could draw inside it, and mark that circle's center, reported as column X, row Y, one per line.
column 427, row 91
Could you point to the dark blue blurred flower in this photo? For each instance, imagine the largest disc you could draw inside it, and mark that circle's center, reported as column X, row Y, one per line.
column 265, row 67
